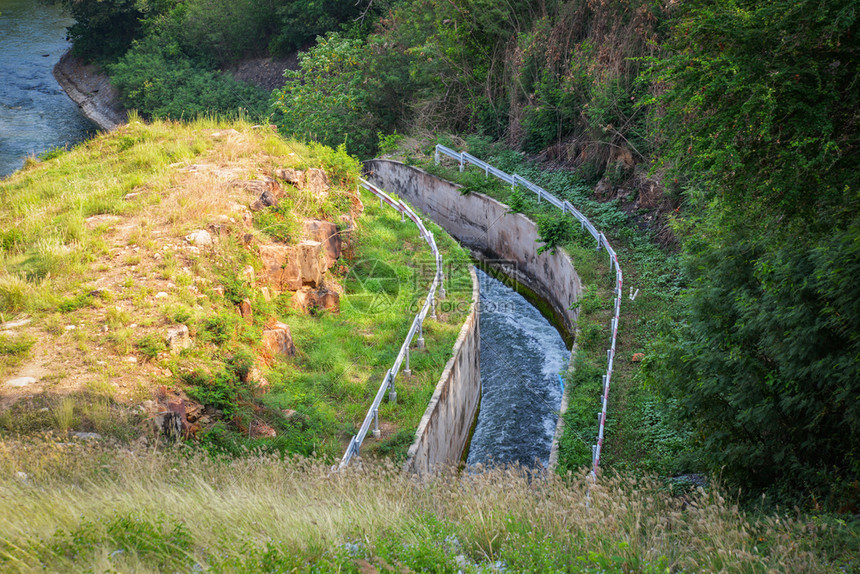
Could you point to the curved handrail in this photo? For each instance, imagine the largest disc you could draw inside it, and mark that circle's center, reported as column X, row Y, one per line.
column 372, row 416
column 566, row 207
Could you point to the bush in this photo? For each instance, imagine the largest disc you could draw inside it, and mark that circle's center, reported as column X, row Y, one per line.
column 156, row 78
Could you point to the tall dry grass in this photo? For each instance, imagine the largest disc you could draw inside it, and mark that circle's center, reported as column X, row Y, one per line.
column 72, row 507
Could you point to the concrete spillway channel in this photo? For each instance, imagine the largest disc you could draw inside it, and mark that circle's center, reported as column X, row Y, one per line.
column 522, row 355
column 533, row 358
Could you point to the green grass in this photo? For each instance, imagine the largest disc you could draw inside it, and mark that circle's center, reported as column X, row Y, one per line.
column 85, row 506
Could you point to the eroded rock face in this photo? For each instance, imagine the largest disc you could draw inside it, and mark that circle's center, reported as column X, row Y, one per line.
column 258, row 186
column 309, row 300
column 290, row 267
column 279, row 340
column 316, row 181
column 328, row 235
column 294, row 177
column 178, row 338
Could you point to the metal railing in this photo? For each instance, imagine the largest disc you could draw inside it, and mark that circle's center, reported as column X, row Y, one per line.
column 464, row 159
column 429, row 306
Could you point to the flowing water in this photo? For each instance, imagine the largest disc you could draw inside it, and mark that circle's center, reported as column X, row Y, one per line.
column 522, row 355
column 35, row 113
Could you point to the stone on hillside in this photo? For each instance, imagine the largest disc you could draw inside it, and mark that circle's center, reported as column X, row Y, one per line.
column 260, row 429
column 295, row 177
column 327, row 234
column 15, row 324
column 266, row 199
column 289, row 267
column 199, row 238
column 178, row 338
column 279, row 340
column 248, row 274
column 311, row 301
column 316, row 181
column 258, row 186
column 246, row 311
column 20, row 382
column 86, row 435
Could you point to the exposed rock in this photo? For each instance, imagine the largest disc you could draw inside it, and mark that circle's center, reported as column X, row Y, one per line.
column 266, row 199
column 260, row 429
column 295, row 177
column 217, row 134
column 289, row 267
column 328, row 235
column 279, row 340
column 15, row 324
column 20, row 382
column 637, row 357
column 603, row 188
column 246, row 311
column 89, row 87
column 316, row 181
column 86, row 435
column 199, row 238
column 311, row 301
column 178, row 338
column 248, row 274
column 264, row 291
column 258, row 186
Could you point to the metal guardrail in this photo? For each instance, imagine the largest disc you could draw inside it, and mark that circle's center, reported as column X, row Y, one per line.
column 464, row 159
column 429, row 306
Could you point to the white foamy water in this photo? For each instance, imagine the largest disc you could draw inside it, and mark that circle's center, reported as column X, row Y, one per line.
column 522, row 355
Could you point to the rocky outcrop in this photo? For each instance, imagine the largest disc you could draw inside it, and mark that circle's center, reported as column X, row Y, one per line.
column 311, row 301
column 291, row 267
column 278, row 340
column 89, row 87
column 328, row 235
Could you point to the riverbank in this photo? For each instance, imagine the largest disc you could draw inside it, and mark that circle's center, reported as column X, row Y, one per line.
column 89, row 87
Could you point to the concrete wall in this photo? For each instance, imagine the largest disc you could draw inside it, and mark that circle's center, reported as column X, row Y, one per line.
column 444, row 428
column 484, row 226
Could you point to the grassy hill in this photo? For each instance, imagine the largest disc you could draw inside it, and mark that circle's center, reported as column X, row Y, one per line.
column 101, row 261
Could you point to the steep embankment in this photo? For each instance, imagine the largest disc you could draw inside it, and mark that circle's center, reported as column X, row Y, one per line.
column 216, row 280
column 89, row 87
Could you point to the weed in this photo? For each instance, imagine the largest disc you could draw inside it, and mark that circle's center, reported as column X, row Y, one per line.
column 150, row 345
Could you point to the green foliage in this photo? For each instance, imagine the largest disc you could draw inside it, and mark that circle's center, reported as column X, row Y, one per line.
column 762, row 101
column 15, row 346
column 766, row 367
column 219, row 328
column 69, row 305
column 150, row 345
column 103, row 29
column 555, row 230
column 161, row 543
column 158, row 79
column 343, row 94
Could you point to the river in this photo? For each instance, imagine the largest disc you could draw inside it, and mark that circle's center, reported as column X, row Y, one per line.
column 35, row 113
column 522, row 355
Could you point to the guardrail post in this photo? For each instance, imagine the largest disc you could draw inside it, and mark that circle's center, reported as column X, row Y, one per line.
column 442, row 292
column 433, row 307
column 392, row 394
column 436, row 156
column 376, row 432
column 407, row 371
column 462, row 164
column 420, row 336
